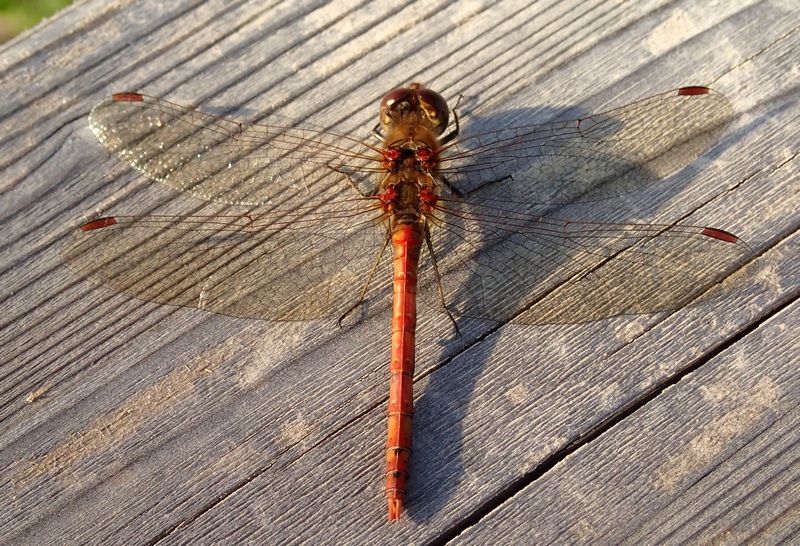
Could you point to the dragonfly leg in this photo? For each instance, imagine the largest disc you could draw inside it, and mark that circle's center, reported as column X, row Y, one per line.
column 454, row 133
column 455, row 191
column 367, row 283
column 376, row 133
column 349, row 180
column 439, row 287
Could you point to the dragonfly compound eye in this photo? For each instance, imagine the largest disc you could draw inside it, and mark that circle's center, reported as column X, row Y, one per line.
column 435, row 108
column 392, row 102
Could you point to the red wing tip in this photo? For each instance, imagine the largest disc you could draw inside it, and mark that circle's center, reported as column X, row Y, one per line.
column 695, row 90
column 127, row 97
column 99, row 223
column 395, row 506
column 720, row 234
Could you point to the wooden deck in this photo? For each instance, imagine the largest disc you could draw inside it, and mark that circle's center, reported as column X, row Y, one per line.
column 126, row 422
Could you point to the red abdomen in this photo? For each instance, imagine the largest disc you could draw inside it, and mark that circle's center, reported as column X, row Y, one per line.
column 406, row 243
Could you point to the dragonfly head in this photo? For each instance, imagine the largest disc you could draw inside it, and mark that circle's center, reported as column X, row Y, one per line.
column 414, row 105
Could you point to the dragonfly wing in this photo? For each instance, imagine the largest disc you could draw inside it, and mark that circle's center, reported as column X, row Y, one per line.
column 216, row 159
column 592, row 158
column 497, row 266
column 290, row 266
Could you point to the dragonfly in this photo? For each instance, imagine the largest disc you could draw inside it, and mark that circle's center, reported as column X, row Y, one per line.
column 469, row 220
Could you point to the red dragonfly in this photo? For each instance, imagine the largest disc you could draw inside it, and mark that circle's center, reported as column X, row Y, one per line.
column 325, row 207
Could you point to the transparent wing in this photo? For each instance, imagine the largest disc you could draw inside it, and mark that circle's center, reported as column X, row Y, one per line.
column 496, row 263
column 221, row 160
column 592, row 158
column 307, row 264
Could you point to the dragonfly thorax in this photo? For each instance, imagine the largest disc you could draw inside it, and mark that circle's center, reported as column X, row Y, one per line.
column 407, row 202
column 409, row 157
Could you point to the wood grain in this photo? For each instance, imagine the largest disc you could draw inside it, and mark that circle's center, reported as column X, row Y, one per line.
column 126, row 422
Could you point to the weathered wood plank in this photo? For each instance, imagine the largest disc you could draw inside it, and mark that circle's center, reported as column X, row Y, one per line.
column 713, row 459
column 126, row 422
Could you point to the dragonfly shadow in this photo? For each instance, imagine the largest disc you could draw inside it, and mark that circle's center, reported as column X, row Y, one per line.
column 506, row 253
column 437, row 467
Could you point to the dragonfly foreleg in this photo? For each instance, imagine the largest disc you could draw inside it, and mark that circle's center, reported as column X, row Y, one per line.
column 454, row 133
column 376, row 133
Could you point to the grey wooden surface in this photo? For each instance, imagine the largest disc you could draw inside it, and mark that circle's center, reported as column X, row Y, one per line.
column 125, row 422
